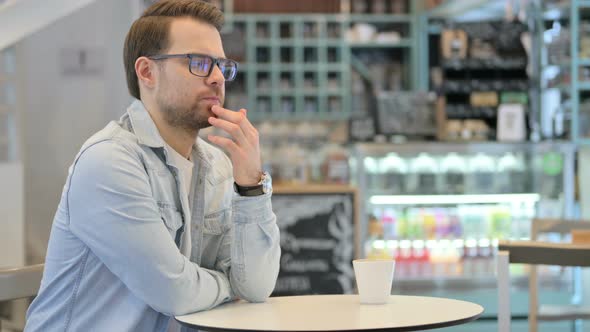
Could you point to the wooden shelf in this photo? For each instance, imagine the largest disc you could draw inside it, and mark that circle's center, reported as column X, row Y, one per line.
column 381, row 18
column 404, row 43
column 547, row 253
column 284, row 188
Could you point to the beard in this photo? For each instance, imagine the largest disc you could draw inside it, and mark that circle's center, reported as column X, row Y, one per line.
column 184, row 110
column 190, row 117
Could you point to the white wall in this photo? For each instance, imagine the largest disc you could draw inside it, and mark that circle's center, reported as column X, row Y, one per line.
column 61, row 110
column 12, row 251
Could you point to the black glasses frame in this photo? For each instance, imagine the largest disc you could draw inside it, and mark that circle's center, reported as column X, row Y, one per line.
column 190, row 56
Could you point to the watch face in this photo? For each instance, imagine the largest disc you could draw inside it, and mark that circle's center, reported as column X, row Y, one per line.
column 266, row 183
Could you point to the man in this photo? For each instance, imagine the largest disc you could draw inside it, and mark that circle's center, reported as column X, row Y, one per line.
column 154, row 222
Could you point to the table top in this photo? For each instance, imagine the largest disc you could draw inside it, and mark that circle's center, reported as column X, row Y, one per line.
column 548, row 253
column 334, row 313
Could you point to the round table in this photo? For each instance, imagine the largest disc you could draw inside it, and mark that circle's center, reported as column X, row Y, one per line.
column 334, row 313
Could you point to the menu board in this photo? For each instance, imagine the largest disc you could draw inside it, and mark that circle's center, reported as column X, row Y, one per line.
column 318, row 231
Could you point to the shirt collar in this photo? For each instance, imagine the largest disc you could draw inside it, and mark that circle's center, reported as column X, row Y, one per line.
column 143, row 126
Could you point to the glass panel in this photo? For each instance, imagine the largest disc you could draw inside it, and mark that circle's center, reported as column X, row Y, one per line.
column 453, row 206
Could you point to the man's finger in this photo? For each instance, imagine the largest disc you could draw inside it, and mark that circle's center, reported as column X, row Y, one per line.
column 234, row 130
column 228, row 115
column 224, row 143
column 238, row 118
column 250, row 128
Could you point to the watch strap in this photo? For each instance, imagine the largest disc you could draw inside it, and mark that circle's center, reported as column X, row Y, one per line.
column 249, row 190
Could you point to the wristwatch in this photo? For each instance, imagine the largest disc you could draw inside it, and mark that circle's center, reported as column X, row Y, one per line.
column 262, row 187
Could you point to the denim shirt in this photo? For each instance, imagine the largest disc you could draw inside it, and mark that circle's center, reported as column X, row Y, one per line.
column 129, row 248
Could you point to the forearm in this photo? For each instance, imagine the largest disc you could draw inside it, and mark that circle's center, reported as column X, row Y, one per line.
column 256, row 250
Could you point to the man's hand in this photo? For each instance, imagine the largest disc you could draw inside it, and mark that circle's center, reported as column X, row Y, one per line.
column 243, row 147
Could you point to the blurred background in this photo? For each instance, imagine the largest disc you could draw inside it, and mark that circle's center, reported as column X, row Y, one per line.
column 455, row 123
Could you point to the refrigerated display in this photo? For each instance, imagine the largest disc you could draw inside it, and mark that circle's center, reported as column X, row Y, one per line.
column 440, row 209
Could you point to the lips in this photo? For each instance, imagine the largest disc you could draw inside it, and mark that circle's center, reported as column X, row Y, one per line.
column 214, row 100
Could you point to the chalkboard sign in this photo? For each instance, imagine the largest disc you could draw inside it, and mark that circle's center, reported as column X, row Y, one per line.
column 318, row 231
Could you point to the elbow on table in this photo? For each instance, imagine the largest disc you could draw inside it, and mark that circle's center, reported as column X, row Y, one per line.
column 257, row 295
column 175, row 304
column 256, row 290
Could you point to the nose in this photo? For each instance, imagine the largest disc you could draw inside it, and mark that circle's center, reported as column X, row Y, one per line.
column 216, row 77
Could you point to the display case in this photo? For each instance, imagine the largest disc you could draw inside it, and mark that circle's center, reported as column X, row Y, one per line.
column 440, row 208
column 453, row 202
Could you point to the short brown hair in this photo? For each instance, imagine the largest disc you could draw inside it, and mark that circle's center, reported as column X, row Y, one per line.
column 149, row 33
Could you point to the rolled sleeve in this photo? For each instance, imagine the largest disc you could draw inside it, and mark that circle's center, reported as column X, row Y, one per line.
column 256, row 251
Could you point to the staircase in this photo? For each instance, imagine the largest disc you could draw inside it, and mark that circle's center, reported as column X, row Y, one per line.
column 20, row 18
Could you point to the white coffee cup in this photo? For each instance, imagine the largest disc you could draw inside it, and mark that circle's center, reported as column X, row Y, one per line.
column 373, row 279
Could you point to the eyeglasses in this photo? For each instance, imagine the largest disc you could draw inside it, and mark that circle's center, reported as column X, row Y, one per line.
column 202, row 65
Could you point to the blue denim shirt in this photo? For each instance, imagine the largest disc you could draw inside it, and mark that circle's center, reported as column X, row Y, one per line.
column 129, row 248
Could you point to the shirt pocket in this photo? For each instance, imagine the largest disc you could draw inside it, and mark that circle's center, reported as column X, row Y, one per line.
column 172, row 220
column 217, row 223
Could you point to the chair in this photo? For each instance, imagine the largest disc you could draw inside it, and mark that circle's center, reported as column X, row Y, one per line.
column 18, row 283
column 540, row 253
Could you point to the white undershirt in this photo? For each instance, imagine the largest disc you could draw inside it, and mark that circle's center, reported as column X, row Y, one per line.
column 185, row 168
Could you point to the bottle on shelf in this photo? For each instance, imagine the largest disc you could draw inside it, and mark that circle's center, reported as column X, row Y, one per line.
column 484, row 260
column 429, row 223
column 450, row 257
column 420, row 258
column 500, row 220
column 388, row 220
column 455, row 227
column 375, row 247
column 394, row 170
column 435, row 258
column 423, row 175
column 415, row 220
column 293, row 167
column 402, row 226
column 373, row 171
column 442, row 223
column 336, row 167
column 404, row 261
column 469, row 258
column 512, row 175
column 482, row 172
column 453, row 169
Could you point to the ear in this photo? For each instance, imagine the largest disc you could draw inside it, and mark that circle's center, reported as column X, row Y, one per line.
column 145, row 69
